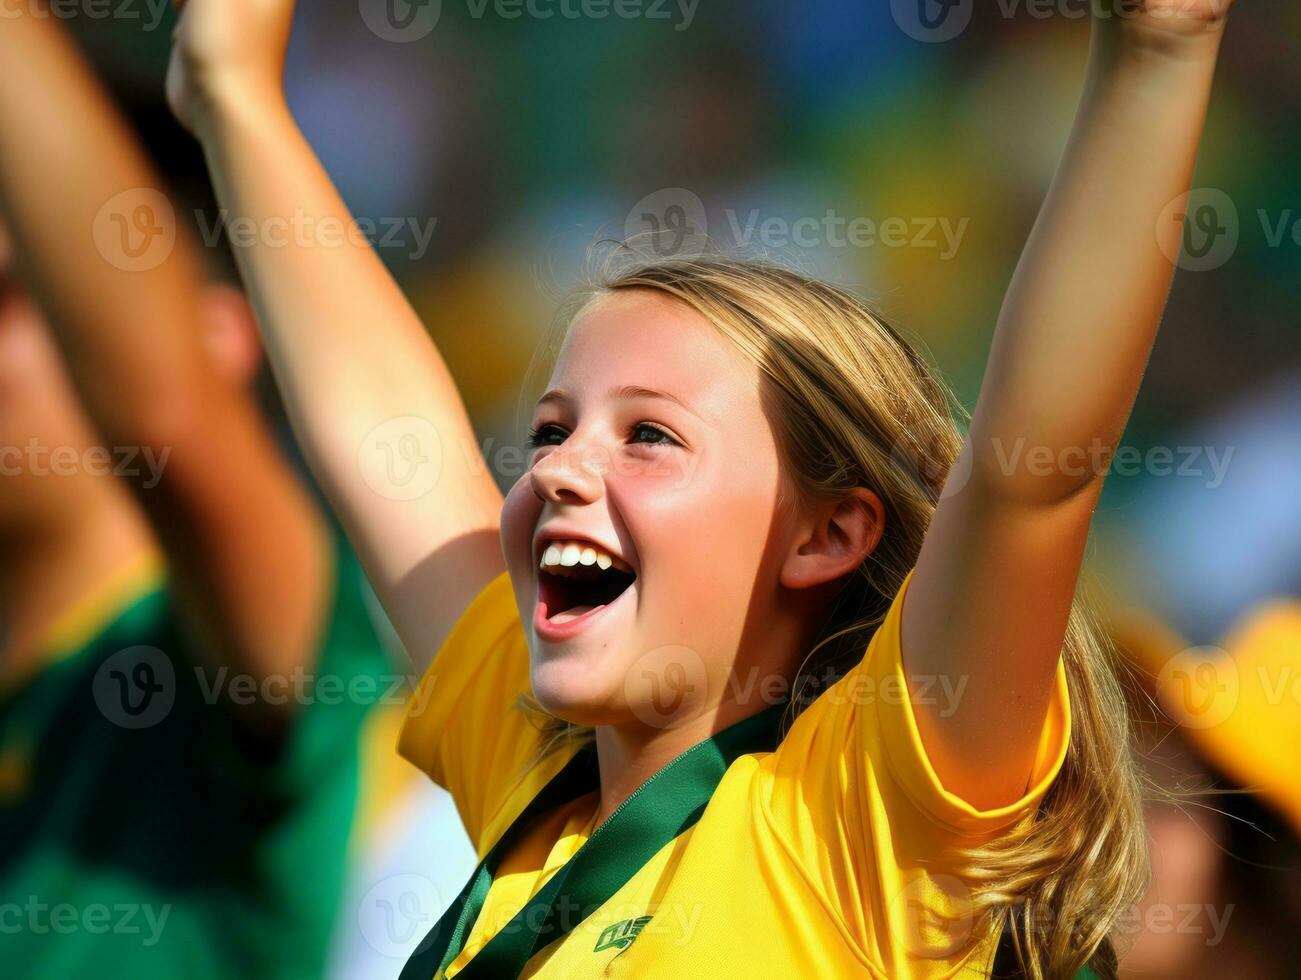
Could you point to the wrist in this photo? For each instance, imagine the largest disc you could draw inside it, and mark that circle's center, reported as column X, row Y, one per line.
column 223, row 105
column 1127, row 42
column 1181, row 30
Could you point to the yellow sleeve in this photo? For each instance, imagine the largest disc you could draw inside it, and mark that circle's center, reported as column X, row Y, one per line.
column 889, row 736
column 856, row 802
column 462, row 727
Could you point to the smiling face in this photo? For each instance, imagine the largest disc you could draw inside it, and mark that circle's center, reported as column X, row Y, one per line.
column 653, row 450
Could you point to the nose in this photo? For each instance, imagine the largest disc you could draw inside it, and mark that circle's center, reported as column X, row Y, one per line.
column 566, row 475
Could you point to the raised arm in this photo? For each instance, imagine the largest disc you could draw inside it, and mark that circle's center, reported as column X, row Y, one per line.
column 371, row 401
column 993, row 588
column 245, row 546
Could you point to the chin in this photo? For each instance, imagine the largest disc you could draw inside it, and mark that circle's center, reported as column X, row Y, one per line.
column 574, row 692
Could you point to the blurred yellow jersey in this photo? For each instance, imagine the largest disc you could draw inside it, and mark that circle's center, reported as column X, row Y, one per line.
column 831, row 856
column 1247, row 721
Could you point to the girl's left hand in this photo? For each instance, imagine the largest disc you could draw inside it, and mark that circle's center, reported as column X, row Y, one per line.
column 226, row 50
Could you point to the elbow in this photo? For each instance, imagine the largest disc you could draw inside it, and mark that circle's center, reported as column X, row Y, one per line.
column 1042, row 474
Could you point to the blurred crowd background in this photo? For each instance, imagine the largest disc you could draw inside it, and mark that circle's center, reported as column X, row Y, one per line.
column 507, row 145
column 492, row 151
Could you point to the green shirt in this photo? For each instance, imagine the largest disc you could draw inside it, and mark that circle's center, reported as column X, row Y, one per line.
column 143, row 833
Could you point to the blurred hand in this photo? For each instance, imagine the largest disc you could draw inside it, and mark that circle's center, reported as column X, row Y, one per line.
column 226, row 50
column 1166, row 18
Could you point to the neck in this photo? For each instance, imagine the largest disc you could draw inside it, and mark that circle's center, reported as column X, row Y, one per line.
column 627, row 756
column 47, row 566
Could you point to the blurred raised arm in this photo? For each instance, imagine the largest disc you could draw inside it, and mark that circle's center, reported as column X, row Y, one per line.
column 371, row 400
column 245, row 545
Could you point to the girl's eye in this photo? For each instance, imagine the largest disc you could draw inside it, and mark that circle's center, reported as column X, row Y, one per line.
column 552, row 435
column 543, row 433
column 656, row 433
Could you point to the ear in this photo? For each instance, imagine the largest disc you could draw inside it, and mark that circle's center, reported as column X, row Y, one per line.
column 834, row 540
column 230, row 334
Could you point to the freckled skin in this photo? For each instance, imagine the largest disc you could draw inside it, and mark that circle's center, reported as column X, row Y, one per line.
column 700, row 521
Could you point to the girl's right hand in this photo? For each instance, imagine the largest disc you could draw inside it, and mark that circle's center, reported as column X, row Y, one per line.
column 225, row 50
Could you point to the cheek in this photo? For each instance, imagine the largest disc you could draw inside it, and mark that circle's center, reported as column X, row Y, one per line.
column 702, row 543
column 519, row 518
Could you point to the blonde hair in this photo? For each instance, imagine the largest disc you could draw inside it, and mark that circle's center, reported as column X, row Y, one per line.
column 854, row 405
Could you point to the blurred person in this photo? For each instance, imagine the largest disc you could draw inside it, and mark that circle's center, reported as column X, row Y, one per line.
column 187, row 656
column 407, row 851
column 637, row 573
column 408, row 856
column 1218, row 730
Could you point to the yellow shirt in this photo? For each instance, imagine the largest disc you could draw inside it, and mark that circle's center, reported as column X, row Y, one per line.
column 1242, row 713
column 829, row 857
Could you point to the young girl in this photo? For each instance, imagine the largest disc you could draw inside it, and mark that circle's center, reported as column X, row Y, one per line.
column 747, row 491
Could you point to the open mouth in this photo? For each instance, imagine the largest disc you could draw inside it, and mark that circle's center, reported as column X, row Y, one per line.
column 566, row 592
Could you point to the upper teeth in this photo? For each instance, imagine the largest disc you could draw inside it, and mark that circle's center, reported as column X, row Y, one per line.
column 567, row 553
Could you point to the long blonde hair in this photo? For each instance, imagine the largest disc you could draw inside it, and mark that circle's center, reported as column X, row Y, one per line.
column 854, row 405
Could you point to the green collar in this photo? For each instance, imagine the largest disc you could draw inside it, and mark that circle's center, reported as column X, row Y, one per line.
column 660, row 810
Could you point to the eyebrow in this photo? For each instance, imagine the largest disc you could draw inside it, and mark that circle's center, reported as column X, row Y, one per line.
column 624, row 392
